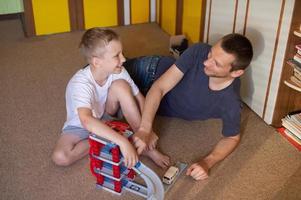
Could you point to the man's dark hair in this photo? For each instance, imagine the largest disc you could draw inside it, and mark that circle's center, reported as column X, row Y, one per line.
column 239, row 46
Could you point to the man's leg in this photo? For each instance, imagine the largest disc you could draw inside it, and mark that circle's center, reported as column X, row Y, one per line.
column 69, row 148
column 142, row 70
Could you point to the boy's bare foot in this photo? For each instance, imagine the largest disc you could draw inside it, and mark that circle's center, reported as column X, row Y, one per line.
column 161, row 160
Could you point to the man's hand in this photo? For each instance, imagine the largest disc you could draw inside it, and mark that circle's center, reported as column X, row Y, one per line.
column 198, row 171
column 145, row 141
column 129, row 153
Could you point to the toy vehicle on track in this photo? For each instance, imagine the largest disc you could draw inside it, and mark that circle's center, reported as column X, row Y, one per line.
column 170, row 175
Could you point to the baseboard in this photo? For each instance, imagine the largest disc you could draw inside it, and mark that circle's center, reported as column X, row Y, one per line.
column 10, row 16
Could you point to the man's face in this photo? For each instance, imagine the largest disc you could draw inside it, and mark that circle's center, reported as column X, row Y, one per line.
column 218, row 63
column 112, row 59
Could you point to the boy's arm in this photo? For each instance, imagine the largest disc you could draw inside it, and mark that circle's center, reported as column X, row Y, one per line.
column 200, row 170
column 96, row 126
column 145, row 137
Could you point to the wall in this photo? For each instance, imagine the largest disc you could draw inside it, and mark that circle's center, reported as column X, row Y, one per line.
column 51, row 16
column 100, row 13
column 140, row 11
column 11, row 6
column 192, row 18
column 56, row 16
column 168, row 16
column 182, row 17
column 174, row 16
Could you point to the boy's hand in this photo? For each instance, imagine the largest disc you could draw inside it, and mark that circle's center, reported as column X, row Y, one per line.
column 198, row 171
column 129, row 153
column 144, row 141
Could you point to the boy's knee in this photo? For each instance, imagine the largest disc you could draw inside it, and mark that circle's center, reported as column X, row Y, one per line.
column 120, row 86
column 60, row 158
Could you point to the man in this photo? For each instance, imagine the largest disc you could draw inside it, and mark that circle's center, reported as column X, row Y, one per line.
column 203, row 83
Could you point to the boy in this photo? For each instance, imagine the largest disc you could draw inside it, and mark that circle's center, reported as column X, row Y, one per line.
column 102, row 87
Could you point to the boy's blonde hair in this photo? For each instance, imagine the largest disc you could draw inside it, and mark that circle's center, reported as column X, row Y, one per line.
column 94, row 40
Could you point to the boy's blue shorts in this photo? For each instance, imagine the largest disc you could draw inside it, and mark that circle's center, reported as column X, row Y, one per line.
column 83, row 133
column 78, row 131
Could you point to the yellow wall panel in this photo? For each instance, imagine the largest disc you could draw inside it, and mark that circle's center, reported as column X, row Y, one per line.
column 51, row 16
column 139, row 11
column 192, row 19
column 100, row 13
column 169, row 16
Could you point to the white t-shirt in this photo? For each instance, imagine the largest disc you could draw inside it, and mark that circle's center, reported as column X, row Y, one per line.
column 83, row 91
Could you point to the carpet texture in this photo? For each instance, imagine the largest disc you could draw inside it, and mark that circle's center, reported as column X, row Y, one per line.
column 34, row 74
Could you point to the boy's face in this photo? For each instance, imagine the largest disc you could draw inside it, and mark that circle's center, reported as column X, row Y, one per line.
column 112, row 59
column 218, row 63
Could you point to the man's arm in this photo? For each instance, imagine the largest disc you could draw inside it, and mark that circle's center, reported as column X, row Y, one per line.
column 200, row 170
column 94, row 125
column 145, row 137
column 140, row 100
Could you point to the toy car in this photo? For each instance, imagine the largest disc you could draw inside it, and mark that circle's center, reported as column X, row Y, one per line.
column 170, row 175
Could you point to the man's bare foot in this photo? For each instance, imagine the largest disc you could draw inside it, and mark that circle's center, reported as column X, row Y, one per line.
column 161, row 160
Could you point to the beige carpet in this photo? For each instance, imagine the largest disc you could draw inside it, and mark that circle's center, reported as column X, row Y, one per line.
column 34, row 73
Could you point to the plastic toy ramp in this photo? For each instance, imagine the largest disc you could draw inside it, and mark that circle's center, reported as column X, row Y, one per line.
column 181, row 166
column 106, row 164
column 154, row 185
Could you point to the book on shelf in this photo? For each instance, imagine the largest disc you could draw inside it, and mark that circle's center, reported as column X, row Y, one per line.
column 289, row 138
column 297, row 74
column 293, row 136
column 292, row 85
column 297, row 33
column 297, row 58
column 295, row 80
column 293, row 123
column 298, row 47
column 291, row 129
column 294, row 64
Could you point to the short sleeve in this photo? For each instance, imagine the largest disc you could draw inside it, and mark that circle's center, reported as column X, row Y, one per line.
column 192, row 56
column 231, row 120
column 185, row 61
column 79, row 95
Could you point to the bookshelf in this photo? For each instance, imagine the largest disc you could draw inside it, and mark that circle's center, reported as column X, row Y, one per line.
column 295, row 80
column 292, row 85
column 298, row 32
column 289, row 94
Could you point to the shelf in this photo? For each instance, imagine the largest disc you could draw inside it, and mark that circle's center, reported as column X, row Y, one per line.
column 292, row 85
column 297, row 33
